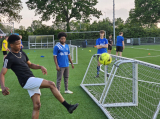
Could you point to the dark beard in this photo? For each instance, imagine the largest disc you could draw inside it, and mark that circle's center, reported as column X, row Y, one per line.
column 62, row 43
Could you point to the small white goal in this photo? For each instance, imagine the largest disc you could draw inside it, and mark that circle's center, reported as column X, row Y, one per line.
column 132, row 90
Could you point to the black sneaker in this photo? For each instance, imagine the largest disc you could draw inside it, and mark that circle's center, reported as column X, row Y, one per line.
column 107, row 75
column 97, row 76
column 72, row 108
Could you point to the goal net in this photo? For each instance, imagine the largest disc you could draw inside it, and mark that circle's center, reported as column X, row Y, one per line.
column 132, row 90
column 40, row 41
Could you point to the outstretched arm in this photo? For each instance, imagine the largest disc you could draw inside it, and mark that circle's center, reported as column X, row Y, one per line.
column 34, row 66
column 2, row 82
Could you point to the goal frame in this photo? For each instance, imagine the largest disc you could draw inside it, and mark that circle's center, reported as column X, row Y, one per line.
column 72, row 54
column 107, row 83
column 41, row 44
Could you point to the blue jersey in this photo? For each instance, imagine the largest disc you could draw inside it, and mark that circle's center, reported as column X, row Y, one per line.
column 62, row 53
column 102, row 42
column 119, row 40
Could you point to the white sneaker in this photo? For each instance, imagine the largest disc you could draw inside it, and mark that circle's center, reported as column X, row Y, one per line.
column 68, row 91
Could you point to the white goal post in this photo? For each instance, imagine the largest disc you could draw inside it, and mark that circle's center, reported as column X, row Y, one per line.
column 40, row 41
column 74, row 53
column 132, row 90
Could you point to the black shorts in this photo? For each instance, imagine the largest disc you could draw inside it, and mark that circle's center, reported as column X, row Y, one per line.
column 119, row 49
column 4, row 52
column 109, row 47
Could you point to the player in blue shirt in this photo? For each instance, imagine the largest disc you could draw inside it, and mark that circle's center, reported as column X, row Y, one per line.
column 120, row 44
column 102, row 45
column 61, row 58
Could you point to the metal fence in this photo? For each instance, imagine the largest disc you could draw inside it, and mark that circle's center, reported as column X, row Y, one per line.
column 92, row 42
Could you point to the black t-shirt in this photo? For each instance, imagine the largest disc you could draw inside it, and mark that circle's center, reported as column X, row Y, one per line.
column 19, row 66
column 110, row 41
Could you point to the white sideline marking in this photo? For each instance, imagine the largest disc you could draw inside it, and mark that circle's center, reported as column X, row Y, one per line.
column 143, row 48
column 148, row 56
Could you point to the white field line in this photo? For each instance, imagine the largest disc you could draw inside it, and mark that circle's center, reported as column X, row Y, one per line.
column 143, row 48
column 148, row 56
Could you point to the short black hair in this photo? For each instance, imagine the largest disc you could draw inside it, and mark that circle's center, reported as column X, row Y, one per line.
column 110, row 34
column 61, row 34
column 120, row 33
column 13, row 38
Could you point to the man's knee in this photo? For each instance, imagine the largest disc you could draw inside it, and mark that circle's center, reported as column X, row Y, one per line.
column 37, row 106
column 52, row 84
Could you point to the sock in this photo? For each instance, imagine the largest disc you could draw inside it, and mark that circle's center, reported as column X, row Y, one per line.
column 66, row 104
column 98, row 69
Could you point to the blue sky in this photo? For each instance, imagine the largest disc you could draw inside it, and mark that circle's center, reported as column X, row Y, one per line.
column 122, row 8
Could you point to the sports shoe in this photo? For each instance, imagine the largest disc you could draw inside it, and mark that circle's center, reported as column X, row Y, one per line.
column 97, row 76
column 68, row 91
column 107, row 75
column 72, row 108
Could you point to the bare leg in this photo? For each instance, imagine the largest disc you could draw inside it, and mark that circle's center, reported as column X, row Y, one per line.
column 109, row 51
column 52, row 86
column 120, row 53
column 36, row 106
column 56, row 93
column 117, row 53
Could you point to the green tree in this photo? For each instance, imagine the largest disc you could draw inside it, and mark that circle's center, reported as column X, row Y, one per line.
column 64, row 10
column 10, row 9
column 36, row 24
column 145, row 12
column 22, row 28
column 118, row 21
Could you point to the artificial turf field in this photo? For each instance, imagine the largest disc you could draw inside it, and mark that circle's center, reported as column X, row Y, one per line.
column 18, row 104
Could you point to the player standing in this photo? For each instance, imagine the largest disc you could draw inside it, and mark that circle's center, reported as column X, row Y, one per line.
column 61, row 58
column 20, row 64
column 110, row 43
column 102, row 45
column 5, row 47
column 120, row 44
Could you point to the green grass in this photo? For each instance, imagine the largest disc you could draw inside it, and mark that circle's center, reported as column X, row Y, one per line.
column 18, row 104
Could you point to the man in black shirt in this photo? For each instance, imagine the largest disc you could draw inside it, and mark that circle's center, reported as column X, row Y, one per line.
column 20, row 64
column 110, row 43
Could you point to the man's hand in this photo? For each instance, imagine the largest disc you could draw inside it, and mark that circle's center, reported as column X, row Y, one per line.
column 57, row 68
column 44, row 70
column 8, row 50
column 72, row 66
column 5, row 91
column 123, row 47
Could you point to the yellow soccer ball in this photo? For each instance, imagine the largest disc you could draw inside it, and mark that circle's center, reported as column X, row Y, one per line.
column 105, row 59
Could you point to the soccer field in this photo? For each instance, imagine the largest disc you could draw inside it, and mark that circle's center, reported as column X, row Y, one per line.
column 18, row 104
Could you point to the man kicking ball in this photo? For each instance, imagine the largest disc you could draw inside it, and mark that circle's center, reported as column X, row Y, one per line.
column 20, row 64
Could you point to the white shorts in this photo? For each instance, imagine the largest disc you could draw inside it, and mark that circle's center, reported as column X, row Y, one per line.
column 32, row 85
